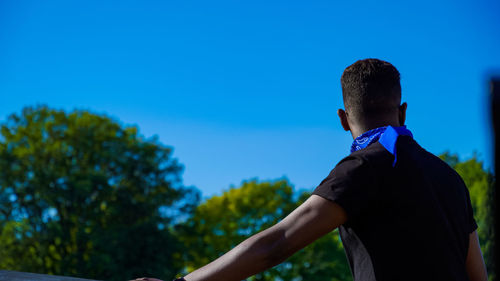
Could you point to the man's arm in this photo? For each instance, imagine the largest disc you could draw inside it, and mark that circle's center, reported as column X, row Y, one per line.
column 311, row 220
column 475, row 263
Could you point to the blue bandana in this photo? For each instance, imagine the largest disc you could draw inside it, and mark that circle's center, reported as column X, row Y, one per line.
column 386, row 136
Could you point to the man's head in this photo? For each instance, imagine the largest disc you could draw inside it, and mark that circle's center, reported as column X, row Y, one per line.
column 372, row 96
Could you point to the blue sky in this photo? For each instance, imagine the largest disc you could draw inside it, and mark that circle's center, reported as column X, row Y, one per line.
column 245, row 89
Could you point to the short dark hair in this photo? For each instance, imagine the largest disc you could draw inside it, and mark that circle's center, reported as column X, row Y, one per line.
column 370, row 87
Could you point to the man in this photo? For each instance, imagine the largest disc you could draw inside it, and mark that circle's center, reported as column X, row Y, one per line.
column 403, row 213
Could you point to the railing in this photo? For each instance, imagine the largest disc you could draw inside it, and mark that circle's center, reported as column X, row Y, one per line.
column 7, row 275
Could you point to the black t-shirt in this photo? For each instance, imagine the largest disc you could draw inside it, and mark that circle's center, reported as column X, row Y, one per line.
column 407, row 222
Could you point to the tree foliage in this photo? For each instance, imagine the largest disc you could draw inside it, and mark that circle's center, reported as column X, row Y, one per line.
column 82, row 195
column 480, row 183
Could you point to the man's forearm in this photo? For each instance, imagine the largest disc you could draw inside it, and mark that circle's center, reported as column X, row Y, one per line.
column 257, row 253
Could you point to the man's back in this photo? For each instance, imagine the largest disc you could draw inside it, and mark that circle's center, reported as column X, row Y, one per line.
column 407, row 222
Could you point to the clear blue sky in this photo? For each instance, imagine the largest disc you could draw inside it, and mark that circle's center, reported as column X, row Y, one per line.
column 245, row 89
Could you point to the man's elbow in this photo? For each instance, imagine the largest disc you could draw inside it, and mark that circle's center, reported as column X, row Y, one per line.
column 268, row 247
column 279, row 251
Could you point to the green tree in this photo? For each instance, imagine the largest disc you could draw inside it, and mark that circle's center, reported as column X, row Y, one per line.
column 82, row 195
column 222, row 222
column 480, row 183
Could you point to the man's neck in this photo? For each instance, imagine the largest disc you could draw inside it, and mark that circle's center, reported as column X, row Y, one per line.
column 358, row 131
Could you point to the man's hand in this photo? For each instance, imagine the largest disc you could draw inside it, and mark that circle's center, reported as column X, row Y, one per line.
column 146, row 279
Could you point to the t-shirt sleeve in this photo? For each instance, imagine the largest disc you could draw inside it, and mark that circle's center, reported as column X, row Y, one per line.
column 470, row 213
column 352, row 185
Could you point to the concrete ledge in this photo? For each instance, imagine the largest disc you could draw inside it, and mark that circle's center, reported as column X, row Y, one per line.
column 7, row 275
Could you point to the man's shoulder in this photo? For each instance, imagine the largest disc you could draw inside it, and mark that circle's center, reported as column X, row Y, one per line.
column 375, row 155
column 372, row 159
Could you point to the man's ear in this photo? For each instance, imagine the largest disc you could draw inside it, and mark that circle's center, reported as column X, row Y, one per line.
column 343, row 119
column 402, row 113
